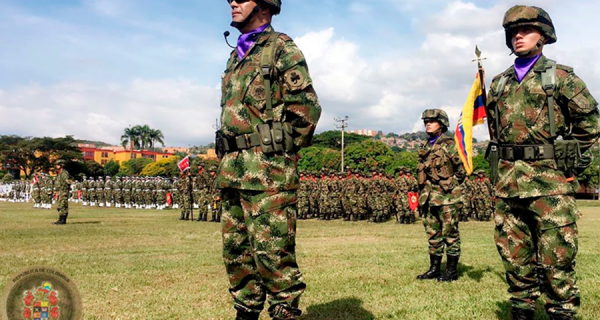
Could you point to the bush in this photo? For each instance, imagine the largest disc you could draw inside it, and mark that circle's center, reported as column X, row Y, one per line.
column 133, row 167
column 111, row 168
column 162, row 168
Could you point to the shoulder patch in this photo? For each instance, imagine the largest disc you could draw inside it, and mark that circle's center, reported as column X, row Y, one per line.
column 295, row 79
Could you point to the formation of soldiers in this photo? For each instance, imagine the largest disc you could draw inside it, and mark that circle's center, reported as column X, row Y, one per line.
column 351, row 196
column 357, row 196
column 17, row 191
column 478, row 198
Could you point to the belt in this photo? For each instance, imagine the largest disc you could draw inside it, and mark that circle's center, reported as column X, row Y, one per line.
column 526, row 152
column 242, row 142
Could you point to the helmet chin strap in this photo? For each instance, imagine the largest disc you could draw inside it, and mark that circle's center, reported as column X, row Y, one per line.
column 538, row 45
column 241, row 25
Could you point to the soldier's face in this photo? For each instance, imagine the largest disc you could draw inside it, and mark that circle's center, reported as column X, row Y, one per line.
column 432, row 126
column 525, row 39
column 241, row 9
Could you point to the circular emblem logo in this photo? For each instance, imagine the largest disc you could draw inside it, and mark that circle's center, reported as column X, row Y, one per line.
column 41, row 293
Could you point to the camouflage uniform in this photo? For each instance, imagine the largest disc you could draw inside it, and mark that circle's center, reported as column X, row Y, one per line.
column 63, row 187
column 441, row 174
column 536, row 231
column 258, row 189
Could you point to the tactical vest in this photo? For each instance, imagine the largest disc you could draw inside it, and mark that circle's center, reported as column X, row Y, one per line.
column 435, row 165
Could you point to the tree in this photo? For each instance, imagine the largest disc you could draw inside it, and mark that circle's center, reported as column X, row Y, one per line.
column 93, row 169
column 315, row 158
column 369, row 155
column 131, row 138
column 163, row 168
column 155, row 136
column 29, row 155
column 133, row 167
column 333, row 139
column 111, row 168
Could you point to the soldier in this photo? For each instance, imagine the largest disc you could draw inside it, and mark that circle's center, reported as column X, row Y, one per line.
column 204, row 197
column 63, row 187
column 529, row 106
column 258, row 173
column 440, row 174
column 215, row 195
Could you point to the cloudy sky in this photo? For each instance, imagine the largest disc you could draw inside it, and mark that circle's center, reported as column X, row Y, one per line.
column 90, row 68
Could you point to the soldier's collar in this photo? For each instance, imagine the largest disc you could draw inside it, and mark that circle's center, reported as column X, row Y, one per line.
column 264, row 36
column 540, row 65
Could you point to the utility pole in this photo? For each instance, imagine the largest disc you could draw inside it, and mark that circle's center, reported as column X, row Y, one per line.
column 343, row 126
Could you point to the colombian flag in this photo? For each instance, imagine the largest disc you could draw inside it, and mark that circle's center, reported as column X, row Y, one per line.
column 473, row 113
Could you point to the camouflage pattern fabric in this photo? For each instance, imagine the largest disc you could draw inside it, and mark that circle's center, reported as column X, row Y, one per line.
column 259, row 235
column 535, row 205
column 243, row 109
column 64, row 187
column 443, row 173
column 259, row 204
column 538, row 238
column 440, row 194
column 441, row 227
column 523, row 122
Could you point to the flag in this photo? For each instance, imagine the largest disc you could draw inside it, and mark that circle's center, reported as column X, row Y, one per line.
column 184, row 164
column 473, row 114
column 169, row 198
column 413, row 200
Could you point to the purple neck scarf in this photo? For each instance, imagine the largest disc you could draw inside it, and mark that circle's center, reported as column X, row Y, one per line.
column 523, row 65
column 432, row 140
column 246, row 40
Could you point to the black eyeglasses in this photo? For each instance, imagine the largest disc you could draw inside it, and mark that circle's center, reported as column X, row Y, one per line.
column 238, row 1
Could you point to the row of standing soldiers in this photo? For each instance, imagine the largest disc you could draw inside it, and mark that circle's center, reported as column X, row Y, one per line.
column 478, row 198
column 356, row 196
column 191, row 191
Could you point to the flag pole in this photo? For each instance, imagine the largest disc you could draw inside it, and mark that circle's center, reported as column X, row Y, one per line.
column 483, row 88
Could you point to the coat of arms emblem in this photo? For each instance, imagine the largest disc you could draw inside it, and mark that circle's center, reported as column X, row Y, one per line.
column 41, row 303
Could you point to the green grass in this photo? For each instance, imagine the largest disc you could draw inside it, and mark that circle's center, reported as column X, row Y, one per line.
column 148, row 265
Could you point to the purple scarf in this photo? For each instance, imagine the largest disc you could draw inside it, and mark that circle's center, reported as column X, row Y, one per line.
column 523, row 65
column 432, row 140
column 246, row 40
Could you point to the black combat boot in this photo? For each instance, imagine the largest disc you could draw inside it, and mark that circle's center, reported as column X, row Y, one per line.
column 522, row 314
column 434, row 268
column 451, row 270
column 241, row 315
column 61, row 220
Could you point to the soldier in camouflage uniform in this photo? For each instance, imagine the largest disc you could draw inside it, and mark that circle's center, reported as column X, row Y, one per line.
column 214, row 194
column 258, row 172
column 529, row 106
column 440, row 175
column 63, row 186
column 203, row 197
column 401, row 197
column 35, row 192
column 482, row 196
column 468, row 189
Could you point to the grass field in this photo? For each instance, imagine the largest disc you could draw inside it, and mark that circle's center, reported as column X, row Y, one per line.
column 148, row 265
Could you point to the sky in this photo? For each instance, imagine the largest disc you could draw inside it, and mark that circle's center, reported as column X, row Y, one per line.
column 90, row 68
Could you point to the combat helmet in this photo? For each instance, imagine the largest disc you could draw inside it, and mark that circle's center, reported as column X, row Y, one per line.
column 438, row 115
column 274, row 4
column 521, row 16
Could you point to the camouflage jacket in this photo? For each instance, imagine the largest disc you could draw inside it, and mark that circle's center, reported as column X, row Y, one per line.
column 444, row 172
column 524, row 120
column 63, row 184
column 243, row 106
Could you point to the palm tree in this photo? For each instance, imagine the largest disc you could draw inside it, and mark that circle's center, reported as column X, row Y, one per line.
column 144, row 136
column 131, row 138
column 155, row 136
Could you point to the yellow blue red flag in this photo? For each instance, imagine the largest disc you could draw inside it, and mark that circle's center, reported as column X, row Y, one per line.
column 473, row 113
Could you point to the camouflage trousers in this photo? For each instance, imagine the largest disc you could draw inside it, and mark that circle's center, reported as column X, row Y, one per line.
column 537, row 239
column 259, row 243
column 441, row 227
column 63, row 206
